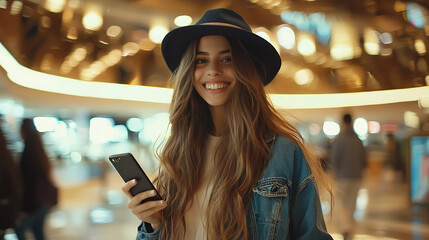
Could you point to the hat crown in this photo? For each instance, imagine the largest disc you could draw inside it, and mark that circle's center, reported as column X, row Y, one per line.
column 223, row 15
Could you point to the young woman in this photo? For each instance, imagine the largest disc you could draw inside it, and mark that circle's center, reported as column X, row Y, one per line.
column 232, row 167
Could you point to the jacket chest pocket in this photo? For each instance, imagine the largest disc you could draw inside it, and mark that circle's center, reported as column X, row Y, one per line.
column 272, row 187
column 271, row 197
column 270, row 205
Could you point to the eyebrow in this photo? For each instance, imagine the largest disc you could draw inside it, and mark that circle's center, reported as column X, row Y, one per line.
column 221, row 52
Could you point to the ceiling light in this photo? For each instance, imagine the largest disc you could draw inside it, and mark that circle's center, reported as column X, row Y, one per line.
column 306, row 45
column 93, row 19
column 420, row 46
column 46, row 22
column 286, row 37
column 16, row 7
column 62, row 85
column 183, row 20
column 130, row 49
column 304, row 77
column 360, row 125
column 72, row 33
column 157, row 33
column 55, row 6
column 114, row 31
column 386, row 38
column 344, row 41
column 331, row 128
column 411, row 119
column 424, row 102
column 399, row 6
column 371, row 41
column 3, row 4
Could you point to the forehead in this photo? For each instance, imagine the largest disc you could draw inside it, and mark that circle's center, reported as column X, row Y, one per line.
column 213, row 42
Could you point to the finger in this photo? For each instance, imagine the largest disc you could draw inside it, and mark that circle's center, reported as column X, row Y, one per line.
column 137, row 199
column 127, row 186
column 142, row 207
column 155, row 207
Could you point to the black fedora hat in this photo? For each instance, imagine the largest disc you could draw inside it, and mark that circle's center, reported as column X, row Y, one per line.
column 224, row 22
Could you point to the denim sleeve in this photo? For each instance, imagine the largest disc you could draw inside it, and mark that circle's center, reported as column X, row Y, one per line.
column 307, row 220
column 142, row 233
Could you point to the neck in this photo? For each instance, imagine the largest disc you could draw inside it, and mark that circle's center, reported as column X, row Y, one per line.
column 219, row 120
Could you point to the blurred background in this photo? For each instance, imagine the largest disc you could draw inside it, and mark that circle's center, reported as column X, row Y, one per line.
column 91, row 76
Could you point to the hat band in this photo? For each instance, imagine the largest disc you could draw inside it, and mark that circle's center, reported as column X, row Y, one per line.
column 223, row 24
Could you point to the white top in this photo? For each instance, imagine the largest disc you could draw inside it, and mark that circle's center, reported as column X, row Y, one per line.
column 196, row 215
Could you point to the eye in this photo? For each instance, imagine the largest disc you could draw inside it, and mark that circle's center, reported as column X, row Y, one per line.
column 226, row 59
column 200, row 61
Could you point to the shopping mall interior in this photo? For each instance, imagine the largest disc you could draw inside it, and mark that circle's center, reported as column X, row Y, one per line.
column 91, row 75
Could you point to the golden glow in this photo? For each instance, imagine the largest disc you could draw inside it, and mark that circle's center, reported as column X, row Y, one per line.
column 16, row 7
column 55, row 6
column 3, row 4
column 286, row 37
column 306, row 44
column 420, row 46
column 411, row 119
column 51, row 83
column 114, row 31
column 337, row 100
column 130, row 49
column 399, row 6
column 146, row 44
column 93, row 18
column 304, row 77
column 157, row 33
column 424, row 102
column 182, row 20
column 371, row 41
column 344, row 41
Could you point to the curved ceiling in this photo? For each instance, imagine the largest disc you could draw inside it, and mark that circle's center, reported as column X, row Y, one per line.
column 40, row 40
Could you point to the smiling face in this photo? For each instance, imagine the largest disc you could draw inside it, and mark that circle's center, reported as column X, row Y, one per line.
column 214, row 75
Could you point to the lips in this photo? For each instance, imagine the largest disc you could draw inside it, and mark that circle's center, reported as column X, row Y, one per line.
column 215, row 86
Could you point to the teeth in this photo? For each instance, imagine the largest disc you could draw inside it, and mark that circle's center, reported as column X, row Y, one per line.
column 215, row 86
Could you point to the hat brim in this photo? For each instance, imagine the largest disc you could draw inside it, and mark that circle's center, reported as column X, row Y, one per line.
column 175, row 43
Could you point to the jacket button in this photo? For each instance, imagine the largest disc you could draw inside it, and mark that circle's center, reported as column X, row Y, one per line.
column 275, row 188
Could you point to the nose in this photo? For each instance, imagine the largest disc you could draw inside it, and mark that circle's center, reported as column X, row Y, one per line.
column 214, row 69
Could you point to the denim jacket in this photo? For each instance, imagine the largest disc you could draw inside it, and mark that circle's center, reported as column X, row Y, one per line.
column 285, row 202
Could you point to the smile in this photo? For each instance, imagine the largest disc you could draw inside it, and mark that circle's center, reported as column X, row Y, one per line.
column 215, row 86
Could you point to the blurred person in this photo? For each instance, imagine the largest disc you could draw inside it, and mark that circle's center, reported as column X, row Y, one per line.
column 232, row 167
column 348, row 161
column 394, row 159
column 10, row 188
column 39, row 192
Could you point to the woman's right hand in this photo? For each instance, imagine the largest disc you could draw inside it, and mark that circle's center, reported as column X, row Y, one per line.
column 149, row 211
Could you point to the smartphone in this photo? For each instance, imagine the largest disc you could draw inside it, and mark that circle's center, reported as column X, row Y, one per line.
column 128, row 168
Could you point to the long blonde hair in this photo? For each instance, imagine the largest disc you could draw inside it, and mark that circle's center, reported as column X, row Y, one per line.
column 242, row 154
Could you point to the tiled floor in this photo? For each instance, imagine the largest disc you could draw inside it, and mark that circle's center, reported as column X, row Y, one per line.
column 97, row 210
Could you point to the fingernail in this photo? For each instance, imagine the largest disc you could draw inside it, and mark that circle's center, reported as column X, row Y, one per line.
column 152, row 192
column 133, row 181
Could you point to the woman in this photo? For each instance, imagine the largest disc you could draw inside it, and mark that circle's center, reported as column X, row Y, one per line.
column 39, row 193
column 10, row 188
column 232, row 167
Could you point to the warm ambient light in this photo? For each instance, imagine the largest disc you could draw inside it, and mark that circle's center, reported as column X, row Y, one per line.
column 51, row 83
column 93, row 18
column 182, row 20
column 157, row 33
